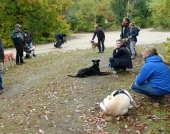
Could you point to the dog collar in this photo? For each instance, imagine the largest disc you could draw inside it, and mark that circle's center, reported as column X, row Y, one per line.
column 120, row 91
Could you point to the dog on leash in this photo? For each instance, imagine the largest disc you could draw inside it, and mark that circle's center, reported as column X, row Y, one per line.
column 117, row 103
column 9, row 60
column 94, row 45
column 91, row 71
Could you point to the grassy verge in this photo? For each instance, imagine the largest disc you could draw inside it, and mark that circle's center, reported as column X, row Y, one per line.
column 40, row 98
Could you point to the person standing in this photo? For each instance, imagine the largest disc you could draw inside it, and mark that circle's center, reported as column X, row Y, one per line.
column 125, row 30
column 60, row 40
column 18, row 40
column 153, row 79
column 28, row 40
column 121, row 57
column 101, row 38
column 1, row 59
column 134, row 32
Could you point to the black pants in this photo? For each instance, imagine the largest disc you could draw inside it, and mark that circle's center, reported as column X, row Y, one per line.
column 19, row 53
column 58, row 44
column 101, row 48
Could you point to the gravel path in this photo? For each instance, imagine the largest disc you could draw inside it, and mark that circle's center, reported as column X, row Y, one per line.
column 82, row 41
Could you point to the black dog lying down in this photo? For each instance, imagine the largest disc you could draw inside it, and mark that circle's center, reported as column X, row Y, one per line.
column 93, row 70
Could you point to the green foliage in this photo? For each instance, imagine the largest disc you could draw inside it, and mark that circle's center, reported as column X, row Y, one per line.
column 88, row 13
column 39, row 16
column 160, row 13
column 167, row 48
column 141, row 13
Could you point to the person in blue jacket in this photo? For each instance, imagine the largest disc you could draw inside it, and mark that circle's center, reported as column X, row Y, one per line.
column 134, row 32
column 154, row 77
column 1, row 59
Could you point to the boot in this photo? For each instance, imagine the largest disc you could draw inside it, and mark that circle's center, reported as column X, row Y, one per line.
column 133, row 56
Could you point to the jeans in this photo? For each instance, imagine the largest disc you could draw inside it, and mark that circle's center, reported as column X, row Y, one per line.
column 111, row 60
column 29, row 45
column 1, row 87
column 145, row 89
column 132, row 47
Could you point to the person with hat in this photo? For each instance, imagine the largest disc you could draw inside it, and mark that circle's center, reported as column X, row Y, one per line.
column 101, row 37
column 18, row 40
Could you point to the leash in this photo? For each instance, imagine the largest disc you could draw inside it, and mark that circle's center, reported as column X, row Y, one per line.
column 105, row 67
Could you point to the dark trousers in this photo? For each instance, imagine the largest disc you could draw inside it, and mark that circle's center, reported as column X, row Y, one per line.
column 19, row 53
column 114, row 65
column 101, row 48
column 58, row 44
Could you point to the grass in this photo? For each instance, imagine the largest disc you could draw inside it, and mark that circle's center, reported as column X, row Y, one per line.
column 40, row 98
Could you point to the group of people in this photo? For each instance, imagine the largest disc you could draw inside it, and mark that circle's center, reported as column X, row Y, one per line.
column 21, row 41
column 153, row 79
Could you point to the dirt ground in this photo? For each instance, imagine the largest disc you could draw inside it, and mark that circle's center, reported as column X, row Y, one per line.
column 82, row 41
column 47, row 108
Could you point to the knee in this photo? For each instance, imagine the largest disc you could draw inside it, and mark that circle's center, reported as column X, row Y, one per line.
column 111, row 59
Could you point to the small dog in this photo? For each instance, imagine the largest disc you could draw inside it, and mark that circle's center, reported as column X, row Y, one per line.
column 8, row 59
column 94, row 45
column 93, row 70
column 117, row 103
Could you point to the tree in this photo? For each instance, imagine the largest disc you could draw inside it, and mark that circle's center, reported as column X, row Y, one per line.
column 160, row 13
column 88, row 13
column 43, row 18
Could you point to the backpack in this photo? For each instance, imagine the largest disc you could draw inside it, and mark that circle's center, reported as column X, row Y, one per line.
column 138, row 30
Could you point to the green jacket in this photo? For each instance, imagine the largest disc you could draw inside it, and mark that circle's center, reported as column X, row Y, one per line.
column 17, row 40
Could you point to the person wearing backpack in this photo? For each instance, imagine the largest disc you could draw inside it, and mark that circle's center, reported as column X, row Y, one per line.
column 134, row 32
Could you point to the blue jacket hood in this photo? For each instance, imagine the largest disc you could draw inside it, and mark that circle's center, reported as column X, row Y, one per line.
column 153, row 58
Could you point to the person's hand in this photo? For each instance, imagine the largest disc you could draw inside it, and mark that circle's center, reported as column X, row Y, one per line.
column 17, row 36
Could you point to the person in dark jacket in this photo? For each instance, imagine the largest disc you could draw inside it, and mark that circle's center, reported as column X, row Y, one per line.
column 1, row 59
column 60, row 40
column 121, row 57
column 101, row 37
column 153, row 79
column 28, row 40
column 18, row 40
column 125, row 31
column 134, row 31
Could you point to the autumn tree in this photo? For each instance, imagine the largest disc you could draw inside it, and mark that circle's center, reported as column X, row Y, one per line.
column 43, row 18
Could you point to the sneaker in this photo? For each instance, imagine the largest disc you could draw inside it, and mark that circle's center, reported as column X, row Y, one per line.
column 34, row 55
column 1, row 91
column 18, row 63
column 133, row 56
column 114, row 72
